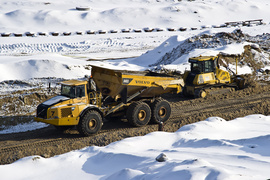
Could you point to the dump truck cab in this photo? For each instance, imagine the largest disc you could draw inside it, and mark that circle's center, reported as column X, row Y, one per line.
column 75, row 90
column 204, row 73
column 65, row 109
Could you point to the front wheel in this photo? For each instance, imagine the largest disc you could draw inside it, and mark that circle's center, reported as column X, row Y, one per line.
column 90, row 123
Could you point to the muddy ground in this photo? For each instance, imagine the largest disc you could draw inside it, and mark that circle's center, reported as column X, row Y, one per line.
column 48, row 142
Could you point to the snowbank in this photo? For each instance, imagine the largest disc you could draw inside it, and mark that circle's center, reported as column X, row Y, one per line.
column 210, row 149
column 40, row 66
column 106, row 15
column 22, row 127
column 46, row 55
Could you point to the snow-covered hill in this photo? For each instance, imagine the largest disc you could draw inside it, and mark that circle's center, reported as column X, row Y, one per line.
column 42, row 18
column 211, row 149
column 37, row 15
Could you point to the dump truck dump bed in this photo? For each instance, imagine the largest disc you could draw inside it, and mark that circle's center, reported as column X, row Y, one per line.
column 117, row 82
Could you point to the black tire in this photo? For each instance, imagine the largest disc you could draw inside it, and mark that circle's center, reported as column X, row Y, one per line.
column 161, row 111
column 139, row 114
column 185, row 93
column 90, row 123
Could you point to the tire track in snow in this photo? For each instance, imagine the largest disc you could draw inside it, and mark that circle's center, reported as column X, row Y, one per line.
column 93, row 46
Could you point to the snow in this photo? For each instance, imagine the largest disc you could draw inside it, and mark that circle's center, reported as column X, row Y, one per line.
column 24, row 127
column 55, row 100
column 53, row 53
column 39, row 66
column 210, row 149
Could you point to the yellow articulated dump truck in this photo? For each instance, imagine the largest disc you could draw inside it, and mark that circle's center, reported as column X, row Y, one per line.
column 107, row 94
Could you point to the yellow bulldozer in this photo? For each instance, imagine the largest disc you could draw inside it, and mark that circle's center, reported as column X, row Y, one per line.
column 206, row 77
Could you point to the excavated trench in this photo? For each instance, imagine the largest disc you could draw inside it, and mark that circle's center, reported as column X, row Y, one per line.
column 48, row 142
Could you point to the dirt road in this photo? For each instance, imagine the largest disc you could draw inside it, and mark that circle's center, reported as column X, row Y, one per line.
column 48, row 142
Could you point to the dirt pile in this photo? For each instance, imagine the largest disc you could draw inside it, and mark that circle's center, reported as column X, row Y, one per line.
column 255, row 55
column 22, row 102
column 19, row 99
column 22, row 97
column 19, row 107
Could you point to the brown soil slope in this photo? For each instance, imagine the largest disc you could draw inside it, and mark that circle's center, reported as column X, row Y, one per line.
column 48, row 142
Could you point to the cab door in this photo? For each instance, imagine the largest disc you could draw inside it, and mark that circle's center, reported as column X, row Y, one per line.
column 80, row 94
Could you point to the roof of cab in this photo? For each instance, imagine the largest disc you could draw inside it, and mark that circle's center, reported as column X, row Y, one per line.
column 203, row 58
column 74, row 82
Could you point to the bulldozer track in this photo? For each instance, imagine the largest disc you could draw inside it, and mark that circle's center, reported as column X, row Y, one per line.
column 47, row 142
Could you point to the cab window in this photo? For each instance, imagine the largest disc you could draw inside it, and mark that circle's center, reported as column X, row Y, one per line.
column 80, row 91
column 73, row 91
column 209, row 66
column 196, row 67
column 68, row 91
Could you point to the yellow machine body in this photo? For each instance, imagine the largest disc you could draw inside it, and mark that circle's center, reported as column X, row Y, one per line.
column 112, row 82
column 205, row 73
column 66, row 109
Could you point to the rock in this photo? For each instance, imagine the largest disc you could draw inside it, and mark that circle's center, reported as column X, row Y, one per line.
column 83, row 8
column 255, row 46
column 161, row 158
column 45, row 155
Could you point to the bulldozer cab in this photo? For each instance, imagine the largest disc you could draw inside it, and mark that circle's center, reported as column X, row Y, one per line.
column 203, row 64
column 202, row 70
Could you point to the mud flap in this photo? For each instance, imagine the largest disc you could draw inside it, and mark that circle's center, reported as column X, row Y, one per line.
column 123, row 94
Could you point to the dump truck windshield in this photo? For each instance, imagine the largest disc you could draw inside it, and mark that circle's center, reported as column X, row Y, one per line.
column 68, row 91
column 73, row 91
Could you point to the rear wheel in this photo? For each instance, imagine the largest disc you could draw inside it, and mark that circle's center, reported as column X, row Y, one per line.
column 138, row 113
column 90, row 123
column 161, row 111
